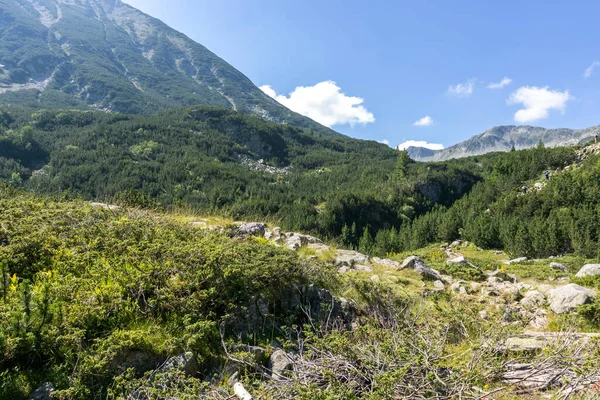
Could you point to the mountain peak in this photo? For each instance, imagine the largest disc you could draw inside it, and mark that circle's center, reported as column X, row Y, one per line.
column 107, row 55
column 504, row 138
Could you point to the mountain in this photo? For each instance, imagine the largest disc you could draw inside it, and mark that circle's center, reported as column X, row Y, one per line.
column 107, row 55
column 504, row 138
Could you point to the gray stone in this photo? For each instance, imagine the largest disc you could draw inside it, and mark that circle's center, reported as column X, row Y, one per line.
column 589, row 270
column 44, row 392
column 363, row 268
column 185, row 362
column 280, row 363
column 503, row 276
column 350, row 257
column 533, row 300
column 269, row 234
column 456, row 243
column 475, row 287
column 251, row 229
column 295, row 241
column 386, row 263
column 567, row 298
column 416, row 264
column 516, row 261
column 458, row 260
column 319, row 248
column 559, row 267
column 439, row 285
column 459, row 287
column 106, row 206
column 344, row 269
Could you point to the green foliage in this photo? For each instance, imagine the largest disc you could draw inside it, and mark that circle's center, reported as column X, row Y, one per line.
column 591, row 312
column 90, row 294
column 462, row 271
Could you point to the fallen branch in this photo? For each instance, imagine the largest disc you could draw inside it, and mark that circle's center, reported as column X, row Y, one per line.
column 241, row 392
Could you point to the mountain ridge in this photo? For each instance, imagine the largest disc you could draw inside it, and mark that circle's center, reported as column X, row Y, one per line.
column 504, row 138
column 108, row 55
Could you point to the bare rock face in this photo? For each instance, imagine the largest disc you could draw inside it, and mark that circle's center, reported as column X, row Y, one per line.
column 589, row 270
column 567, row 298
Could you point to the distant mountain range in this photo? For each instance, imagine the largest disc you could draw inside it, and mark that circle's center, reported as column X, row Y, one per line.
column 504, row 138
column 107, row 55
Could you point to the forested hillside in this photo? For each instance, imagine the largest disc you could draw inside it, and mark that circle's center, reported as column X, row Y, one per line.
column 361, row 194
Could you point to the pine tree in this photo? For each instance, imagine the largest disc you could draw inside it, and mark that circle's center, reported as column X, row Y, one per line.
column 401, row 169
column 366, row 243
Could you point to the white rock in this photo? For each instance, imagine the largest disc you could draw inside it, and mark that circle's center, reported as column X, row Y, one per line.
column 375, row 278
column 516, row 261
column 363, row 268
column 439, row 285
column 533, row 300
column 559, row 267
column 106, row 206
column 349, row 257
column 386, row 263
column 589, row 270
column 567, row 298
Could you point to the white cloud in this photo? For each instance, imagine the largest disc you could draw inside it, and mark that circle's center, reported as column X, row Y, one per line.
column 324, row 103
column 501, row 84
column 590, row 70
column 462, row 89
column 425, row 121
column 420, row 143
column 384, row 141
column 538, row 102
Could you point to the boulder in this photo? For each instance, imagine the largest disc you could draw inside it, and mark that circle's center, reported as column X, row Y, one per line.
column 516, row 261
column 439, row 285
column 386, row 263
column 503, row 276
column 559, row 267
column 295, row 241
column 251, row 229
column 458, row 260
column 44, row 392
column 279, row 364
column 269, row 234
column 533, row 300
column 363, row 268
column 416, row 264
column 319, row 248
column 510, row 292
column 185, row 362
column 567, row 298
column 589, row 270
column 456, row 243
column 349, row 258
column 106, row 206
column 460, row 287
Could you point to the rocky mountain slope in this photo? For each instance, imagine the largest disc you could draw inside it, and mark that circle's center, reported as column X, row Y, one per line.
column 504, row 138
column 107, row 55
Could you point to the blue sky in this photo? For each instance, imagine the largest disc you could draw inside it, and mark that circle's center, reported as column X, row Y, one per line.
column 408, row 60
